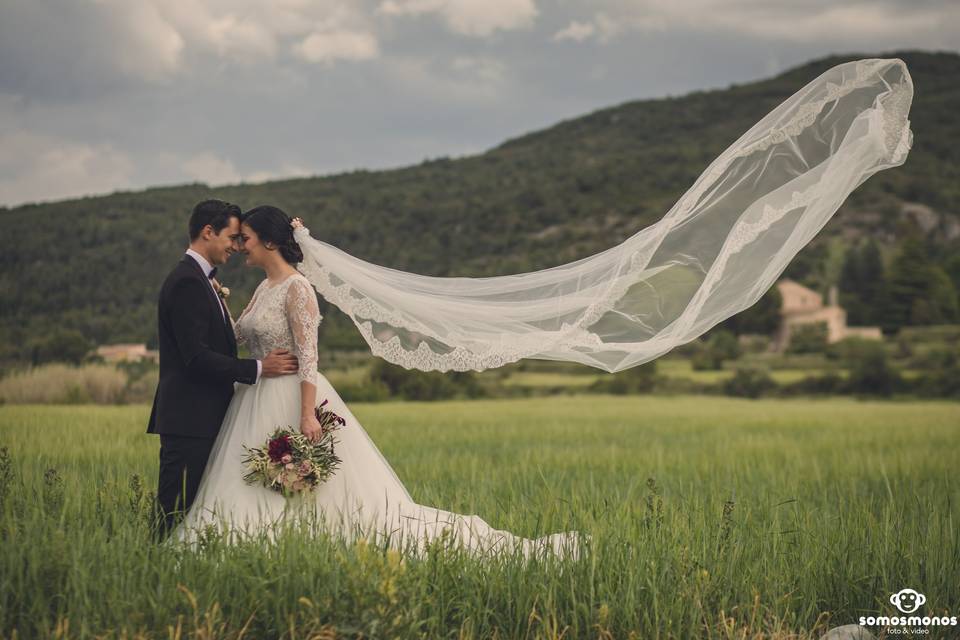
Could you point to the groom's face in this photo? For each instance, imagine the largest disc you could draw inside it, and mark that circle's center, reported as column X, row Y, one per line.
column 224, row 244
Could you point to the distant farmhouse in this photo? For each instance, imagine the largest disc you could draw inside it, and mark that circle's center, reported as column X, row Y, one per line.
column 126, row 353
column 805, row 306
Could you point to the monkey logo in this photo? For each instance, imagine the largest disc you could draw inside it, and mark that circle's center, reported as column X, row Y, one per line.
column 908, row 600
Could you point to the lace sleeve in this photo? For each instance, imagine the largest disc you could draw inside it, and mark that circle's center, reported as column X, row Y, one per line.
column 303, row 315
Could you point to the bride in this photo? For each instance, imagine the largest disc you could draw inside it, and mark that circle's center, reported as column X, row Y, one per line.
column 364, row 496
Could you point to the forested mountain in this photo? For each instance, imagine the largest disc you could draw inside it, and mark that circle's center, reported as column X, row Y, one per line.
column 94, row 265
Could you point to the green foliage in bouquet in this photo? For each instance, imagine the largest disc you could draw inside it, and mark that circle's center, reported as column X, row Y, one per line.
column 290, row 463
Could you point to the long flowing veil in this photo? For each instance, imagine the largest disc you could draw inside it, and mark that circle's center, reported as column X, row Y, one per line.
column 714, row 253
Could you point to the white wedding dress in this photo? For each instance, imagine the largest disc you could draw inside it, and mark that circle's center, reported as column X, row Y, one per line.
column 364, row 497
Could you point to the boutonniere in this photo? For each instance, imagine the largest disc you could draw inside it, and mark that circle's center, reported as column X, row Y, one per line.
column 222, row 291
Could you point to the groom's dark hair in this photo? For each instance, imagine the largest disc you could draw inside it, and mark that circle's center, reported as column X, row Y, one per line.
column 215, row 213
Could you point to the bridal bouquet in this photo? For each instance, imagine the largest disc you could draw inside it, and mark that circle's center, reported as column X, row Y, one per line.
column 289, row 463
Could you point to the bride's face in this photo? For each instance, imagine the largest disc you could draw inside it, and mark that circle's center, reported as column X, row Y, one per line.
column 252, row 247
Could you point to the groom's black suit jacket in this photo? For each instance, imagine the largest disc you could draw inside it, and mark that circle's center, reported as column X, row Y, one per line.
column 198, row 357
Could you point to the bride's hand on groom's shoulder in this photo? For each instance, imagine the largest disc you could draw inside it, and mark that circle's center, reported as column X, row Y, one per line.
column 296, row 223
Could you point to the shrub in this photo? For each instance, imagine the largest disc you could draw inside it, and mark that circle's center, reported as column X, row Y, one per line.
column 63, row 384
column 827, row 383
column 945, row 333
column 847, row 350
column 639, row 379
column 749, row 382
column 705, row 360
column 808, row 338
column 724, row 345
column 367, row 391
column 870, row 373
column 141, row 388
column 942, row 380
column 754, row 343
column 720, row 346
column 932, row 359
column 412, row 384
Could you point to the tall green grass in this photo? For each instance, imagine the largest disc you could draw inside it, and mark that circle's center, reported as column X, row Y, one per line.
column 710, row 518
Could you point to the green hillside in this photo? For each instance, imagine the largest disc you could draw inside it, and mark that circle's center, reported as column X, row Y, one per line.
column 94, row 265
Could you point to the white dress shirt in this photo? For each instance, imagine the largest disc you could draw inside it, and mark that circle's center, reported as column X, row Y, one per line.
column 207, row 268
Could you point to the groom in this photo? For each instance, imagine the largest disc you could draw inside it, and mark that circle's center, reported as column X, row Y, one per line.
column 198, row 360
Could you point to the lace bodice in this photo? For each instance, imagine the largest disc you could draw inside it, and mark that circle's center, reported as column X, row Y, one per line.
column 283, row 316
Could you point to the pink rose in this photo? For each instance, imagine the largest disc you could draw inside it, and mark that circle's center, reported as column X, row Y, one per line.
column 286, row 458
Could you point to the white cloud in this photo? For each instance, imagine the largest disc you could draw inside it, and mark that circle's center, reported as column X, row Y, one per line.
column 469, row 80
column 469, row 17
column 151, row 46
column 210, row 168
column 36, row 167
column 411, row 7
column 486, row 70
column 800, row 22
column 242, row 37
column 604, row 28
column 864, row 21
column 242, row 31
column 283, row 172
column 213, row 169
column 577, row 31
column 326, row 46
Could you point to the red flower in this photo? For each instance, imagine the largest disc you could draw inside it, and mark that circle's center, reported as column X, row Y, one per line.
column 278, row 448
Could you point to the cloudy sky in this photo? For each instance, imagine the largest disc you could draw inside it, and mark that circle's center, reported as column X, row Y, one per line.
column 98, row 95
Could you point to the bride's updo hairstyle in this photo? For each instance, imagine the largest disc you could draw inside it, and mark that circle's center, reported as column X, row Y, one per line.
column 273, row 225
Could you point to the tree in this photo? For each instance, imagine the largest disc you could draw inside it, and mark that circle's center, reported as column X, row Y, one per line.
column 749, row 382
column 870, row 373
column 725, row 345
column 61, row 345
column 808, row 338
column 720, row 345
column 862, row 283
column 952, row 267
column 763, row 317
column 851, row 285
column 943, row 297
column 918, row 292
column 872, row 282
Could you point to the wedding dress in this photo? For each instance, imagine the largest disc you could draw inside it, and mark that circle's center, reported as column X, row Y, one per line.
column 364, row 497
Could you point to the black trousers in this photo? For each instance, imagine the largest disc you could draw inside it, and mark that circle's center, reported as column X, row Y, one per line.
column 182, row 461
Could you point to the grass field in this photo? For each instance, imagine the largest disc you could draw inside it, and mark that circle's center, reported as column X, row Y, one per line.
column 710, row 517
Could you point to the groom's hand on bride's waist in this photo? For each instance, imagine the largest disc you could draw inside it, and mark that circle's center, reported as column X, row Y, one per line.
column 279, row 362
